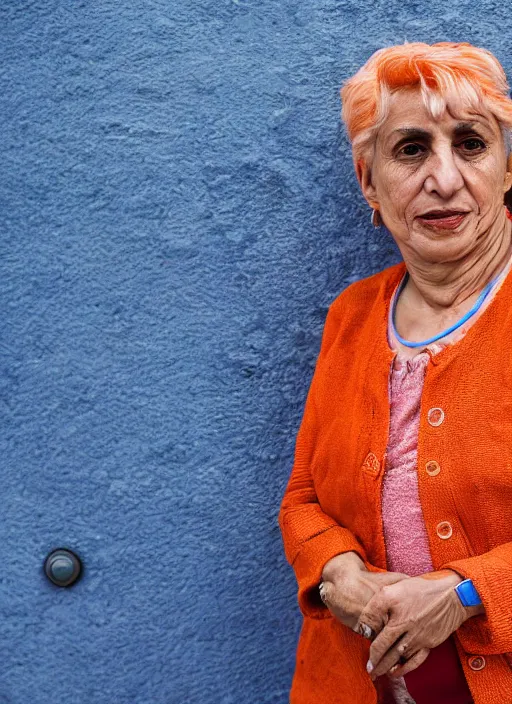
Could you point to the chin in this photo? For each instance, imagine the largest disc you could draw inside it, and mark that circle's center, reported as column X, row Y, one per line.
column 444, row 252
column 447, row 246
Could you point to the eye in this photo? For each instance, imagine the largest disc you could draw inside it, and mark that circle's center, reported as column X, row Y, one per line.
column 472, row 145
column 411, row 150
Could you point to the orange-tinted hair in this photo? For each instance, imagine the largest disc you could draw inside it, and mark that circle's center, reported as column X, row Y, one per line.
column 460, row 74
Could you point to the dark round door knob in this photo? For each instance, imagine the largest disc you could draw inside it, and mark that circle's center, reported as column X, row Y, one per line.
column 62, row 567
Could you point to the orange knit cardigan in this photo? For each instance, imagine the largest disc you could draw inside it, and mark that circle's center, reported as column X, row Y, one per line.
column 332, row 503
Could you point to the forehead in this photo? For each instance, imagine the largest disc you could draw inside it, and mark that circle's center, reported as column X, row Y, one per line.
column 408, row 111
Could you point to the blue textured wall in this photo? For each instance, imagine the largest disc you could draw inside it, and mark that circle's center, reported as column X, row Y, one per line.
column 178, row 209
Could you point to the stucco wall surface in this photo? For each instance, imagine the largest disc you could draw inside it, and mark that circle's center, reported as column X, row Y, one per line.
column 178, row 209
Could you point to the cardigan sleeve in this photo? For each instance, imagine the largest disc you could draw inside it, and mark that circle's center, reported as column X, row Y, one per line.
column 491, row 573
column 310, row 536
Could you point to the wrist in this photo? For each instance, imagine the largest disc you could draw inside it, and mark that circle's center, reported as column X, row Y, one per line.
column 451, row 579
column 475, row 610
column 340, row 565
column 460, row 592
column 467, row 595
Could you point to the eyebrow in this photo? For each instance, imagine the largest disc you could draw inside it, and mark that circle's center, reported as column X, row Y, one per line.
column 419, row 133
column 412, row 132
column 463, row 127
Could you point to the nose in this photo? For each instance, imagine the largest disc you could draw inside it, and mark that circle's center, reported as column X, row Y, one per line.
column 444, row 177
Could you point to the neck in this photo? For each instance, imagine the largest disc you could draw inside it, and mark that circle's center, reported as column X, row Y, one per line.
column 448, row 285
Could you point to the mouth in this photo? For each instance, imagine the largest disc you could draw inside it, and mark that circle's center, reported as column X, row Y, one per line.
column 443, row 219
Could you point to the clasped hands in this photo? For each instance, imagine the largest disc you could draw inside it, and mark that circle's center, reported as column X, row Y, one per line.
column 408, row 616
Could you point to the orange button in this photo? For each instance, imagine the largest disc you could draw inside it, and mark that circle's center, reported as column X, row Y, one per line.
column 432, row 468
column 435, row 416
column 371, row 462
column 444, row 530
column 476, row 663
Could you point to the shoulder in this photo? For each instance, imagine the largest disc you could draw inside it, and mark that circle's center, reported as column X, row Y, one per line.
column 361, row 296
column 355, row 312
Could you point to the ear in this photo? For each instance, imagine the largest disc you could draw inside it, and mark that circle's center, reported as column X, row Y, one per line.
column 364, row 176
column 507, row 183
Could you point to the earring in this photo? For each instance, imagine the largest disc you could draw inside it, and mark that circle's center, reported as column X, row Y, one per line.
column 376, row 219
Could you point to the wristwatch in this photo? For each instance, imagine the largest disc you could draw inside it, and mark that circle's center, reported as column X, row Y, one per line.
column 467, row 593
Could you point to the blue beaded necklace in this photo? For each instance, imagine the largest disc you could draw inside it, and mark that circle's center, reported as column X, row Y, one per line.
column 478, row 303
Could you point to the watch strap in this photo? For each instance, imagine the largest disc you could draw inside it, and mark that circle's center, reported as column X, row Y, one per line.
column 467, row 593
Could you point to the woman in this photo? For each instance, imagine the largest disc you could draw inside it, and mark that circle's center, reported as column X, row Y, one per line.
column 397, row 518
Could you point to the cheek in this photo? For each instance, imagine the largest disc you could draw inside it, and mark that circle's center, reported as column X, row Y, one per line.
column 486, row 190
column 402, row 182
column 398, row 186
column 400, row 194
column 484, row 181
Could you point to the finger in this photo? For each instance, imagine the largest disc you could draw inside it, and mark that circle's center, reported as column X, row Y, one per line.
column 415, row 661
column 325, row 590
column 374, row 615
column 395, row 655
column 364, row 630
column 386, row 641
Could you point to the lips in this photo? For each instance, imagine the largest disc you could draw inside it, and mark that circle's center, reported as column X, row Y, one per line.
column 443, row 219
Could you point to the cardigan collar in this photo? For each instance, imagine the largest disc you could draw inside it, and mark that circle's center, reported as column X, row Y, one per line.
column 497, row 310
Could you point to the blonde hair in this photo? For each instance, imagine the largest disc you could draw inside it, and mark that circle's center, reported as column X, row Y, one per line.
column 460, row 75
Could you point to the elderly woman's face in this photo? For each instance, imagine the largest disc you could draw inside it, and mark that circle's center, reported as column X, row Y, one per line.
column 438, row 184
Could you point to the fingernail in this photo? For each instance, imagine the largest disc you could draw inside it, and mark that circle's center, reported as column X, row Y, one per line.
column 369, row 667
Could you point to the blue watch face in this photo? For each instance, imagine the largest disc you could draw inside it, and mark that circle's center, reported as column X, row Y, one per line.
column 468, row 595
